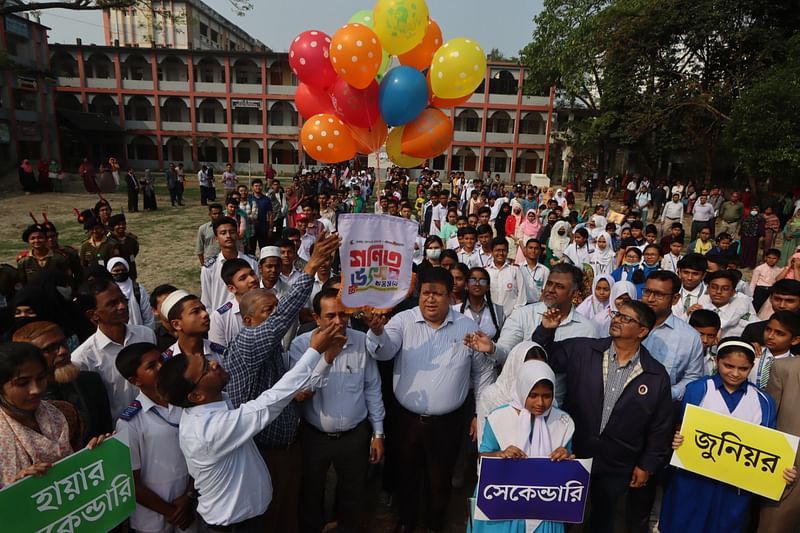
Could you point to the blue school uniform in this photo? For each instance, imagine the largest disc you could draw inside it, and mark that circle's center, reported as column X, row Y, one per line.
column 694, row 503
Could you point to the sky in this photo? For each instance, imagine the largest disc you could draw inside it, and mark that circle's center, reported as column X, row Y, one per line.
column 503, row 24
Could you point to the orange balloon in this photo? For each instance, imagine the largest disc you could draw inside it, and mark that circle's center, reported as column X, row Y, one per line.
column 327, row 139
column 395, row 153
column 421, row 55
column 356, row 54
column 369, row 140
column 428, row 135
column 445, row 103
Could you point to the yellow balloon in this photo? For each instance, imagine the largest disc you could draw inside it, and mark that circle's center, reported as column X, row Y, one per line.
column 457, row 68
column 400, row 24
column 394, row 153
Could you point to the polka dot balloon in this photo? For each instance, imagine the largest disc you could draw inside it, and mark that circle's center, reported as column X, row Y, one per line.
column 457, row 68
column 309, row 57
column 327, row 139
column 356, row 54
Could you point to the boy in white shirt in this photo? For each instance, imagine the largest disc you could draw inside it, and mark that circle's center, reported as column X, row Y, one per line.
column 781, row 334
column 735, row 310
column 670, row 260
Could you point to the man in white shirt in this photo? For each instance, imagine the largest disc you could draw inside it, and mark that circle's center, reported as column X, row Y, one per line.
column 643, row 200
column 226, row 321
column 106, row 306
column 306, row 238
column 672, row 213
column 507, row 283
column 229, row 474
column 534, row 273
column 691, row 269
column 214, row 291
column 702, row 215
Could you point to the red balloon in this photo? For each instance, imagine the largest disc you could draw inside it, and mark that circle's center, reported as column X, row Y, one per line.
column 357, row 107
column 309, row 57
column 311, row 101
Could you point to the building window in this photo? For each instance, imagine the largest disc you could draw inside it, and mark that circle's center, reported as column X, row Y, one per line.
column 209, row 116
column 214, row 36
column 203, row 30
column 243, row 154
column 242, row 116
column 25, row 100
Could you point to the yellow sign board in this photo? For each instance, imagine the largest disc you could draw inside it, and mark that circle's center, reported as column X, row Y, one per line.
column 739, row 453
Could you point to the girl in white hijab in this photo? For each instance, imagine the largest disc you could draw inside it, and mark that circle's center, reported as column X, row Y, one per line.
column 528, row 426
column 621, row 292
column 558, row 242
column 599, row 301
column 139, row 311
column 603, row 258
column 560, row 199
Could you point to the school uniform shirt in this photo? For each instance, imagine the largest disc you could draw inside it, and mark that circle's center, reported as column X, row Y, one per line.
column 482, row 318
column 98, row 353
column 350, row 393
column 507, row 286
column 535, row 278
column 688, row 299
column 677, row 345
column 734, row 316
column 484, row 259
column 152, row 434
column 304, row 252
column 471, row 259
column 211, row 350
column 433, row 368
column 760, row 373
column 226, row 321
column 217, row 441
column 451, row 244
column 289, row 278
column 670, row 262
column 214, row 293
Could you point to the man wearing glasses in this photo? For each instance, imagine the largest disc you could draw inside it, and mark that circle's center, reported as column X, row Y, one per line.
column 621, row 402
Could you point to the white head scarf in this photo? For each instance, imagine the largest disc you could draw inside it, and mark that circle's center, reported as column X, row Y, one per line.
column 534, row 442
column 134, row 312
column 605, row 256
column 557, row 243
column 600, row 223
column 619, row 288
column 591, row 306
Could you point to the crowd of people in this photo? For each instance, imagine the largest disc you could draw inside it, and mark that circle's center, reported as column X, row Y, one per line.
column 534, row 328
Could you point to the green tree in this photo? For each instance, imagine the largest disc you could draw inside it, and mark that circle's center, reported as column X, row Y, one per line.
column 764, row 130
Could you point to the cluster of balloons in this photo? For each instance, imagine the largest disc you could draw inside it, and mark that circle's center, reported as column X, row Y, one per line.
column 350, row 97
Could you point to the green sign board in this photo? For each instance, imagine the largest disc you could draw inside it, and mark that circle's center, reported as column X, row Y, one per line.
column 88, row 492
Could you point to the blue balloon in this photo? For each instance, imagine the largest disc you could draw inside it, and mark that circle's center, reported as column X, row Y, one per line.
column 403, row 95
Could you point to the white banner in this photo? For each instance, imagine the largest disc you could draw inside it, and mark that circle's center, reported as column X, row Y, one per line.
column 376, row 256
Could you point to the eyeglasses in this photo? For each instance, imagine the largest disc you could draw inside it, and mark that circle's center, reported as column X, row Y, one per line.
column 656, row 294
column 206, row 369
column 478, row 281
column 625, row 319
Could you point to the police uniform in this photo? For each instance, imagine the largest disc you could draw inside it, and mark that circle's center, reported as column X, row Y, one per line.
column 226, row 322
column 152, row 434
column 211, row 350
column 96, row 256
column 214, row 292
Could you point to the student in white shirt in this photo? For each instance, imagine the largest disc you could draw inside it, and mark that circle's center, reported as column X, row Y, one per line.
column 306, row 238
column 603, row 258
column 781, row 334
column 735, row 310
column 671, row 260
column 214, row 291
column 672, row 213
column 164, row 492
column 706, row 324
column 578, row 252
column 691, row 269
column 190, row 320
column 229, row 473
column 468, row 253
column 533, row 272
column 106, row 306
column 226, row 321
column 507, row 282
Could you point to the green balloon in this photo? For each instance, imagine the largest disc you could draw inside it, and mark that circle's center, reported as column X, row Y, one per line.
column 386, row 62
column 363, row 17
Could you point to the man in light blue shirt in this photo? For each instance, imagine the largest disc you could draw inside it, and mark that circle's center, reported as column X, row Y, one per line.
column 342, row 421
column 672, row 342
column 433, row 369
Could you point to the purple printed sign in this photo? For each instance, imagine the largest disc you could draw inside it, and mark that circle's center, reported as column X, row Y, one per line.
column 532, row 489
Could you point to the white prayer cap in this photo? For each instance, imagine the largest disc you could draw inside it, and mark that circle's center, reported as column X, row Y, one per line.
column 170, row 301
column 269, row 251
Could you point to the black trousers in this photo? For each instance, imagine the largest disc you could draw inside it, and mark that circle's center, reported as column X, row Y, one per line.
column 605, row 494
column 258, row 241
column 277, row 227
column 174, row 195
column 205, row 195
column 697, row 226
column 133, row 200
column 251, row 525
column 284, row 465
column 426, row 457
column 349, row 455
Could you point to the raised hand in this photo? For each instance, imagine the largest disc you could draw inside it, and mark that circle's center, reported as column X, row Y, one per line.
column 479, row 341
column 551, row 318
